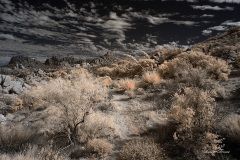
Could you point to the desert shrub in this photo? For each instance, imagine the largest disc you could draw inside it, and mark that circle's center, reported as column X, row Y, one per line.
column 129, row 67
column 104, row 71
column 194, row 77
column 214, row 67
column 233, row 29
column 13, row 102
column 230, row 126
column 15, row 139
column 101, row 147
column 106, row 81
column 141, row 149
column 193, row 111
column 57, row 74
column 162, row 55
column 147, row 63
column 151, row 78
column 123, row 68
column 35, row 153
column 99, row 125
column 126, row 68
column 127, row 84
column 67, row 102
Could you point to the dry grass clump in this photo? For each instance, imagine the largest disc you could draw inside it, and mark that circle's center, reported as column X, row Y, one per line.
column 35, row 153
column 162, row 55
column 13, row 102
column 99, row 125
column 216, row 68
column 193, row 111
column 105, row 71
column 123, row 68
column 127, row 84
column 79, row 87
column 147, row 63
column 231, row 126
column 101, row 147
column 106, row 81
column 15, row 139
column 141, row 149
column 57, row 74
column 151, row 78
column 128, row 67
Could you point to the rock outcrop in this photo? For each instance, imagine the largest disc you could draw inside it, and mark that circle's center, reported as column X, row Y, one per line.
column 9, row 85
column 22, row 62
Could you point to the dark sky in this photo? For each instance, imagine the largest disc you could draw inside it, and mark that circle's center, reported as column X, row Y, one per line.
column 42, row 28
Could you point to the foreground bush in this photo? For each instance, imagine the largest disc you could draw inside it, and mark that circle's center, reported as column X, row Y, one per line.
column 100, row 147
column 15, row 139
column 230, row 126
column 193, row 111
column 35, row 153
column 142, row 150
column 66, row 103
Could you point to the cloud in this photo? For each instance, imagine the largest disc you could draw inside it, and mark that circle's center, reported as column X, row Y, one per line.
column 156, row 20
column 229, row 23
column 207, row 32
column 7, row 36
column 208, row 7
column 218, row 28
column 187, row 23
column 215, row 1
column 207, row 15
column 221, row 27
column 226, row 1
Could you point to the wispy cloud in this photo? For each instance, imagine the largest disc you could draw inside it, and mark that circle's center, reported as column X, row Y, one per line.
column 222, row 27
column 215, row 1
column 7, row 36
column 208, row 7
column 207, row 16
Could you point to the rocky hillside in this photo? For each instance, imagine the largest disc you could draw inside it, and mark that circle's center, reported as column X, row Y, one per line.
column 225, row 46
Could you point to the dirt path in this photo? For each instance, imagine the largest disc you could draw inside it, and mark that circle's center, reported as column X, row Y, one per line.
column 135, row 117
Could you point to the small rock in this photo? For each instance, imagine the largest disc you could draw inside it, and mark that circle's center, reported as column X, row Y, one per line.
column 7, row 81
column 78, row 66
column 26, row 86
column 18, row 118
column 3, row 119
column 40, row 72
column 85, row 65
column 1, row 79
column 16, row 87
column 10, row 116
column 21, row 66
